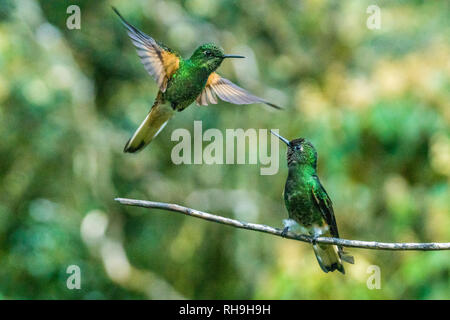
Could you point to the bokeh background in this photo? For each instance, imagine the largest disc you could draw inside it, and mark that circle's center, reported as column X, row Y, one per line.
column 375, row 103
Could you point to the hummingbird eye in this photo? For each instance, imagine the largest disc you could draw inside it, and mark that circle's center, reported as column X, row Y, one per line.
column 208, row 53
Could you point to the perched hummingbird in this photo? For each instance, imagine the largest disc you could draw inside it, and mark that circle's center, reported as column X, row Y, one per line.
column 181, row 82
column 309, row 206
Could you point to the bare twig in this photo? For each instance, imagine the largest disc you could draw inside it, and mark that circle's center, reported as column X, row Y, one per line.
column 278, row 232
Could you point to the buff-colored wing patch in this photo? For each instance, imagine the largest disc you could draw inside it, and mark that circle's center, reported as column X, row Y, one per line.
column 224, row 89
column 159, row 61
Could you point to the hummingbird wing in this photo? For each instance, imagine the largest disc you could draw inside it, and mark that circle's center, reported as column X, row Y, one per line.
column 160, row 61
column 325, row 206
column 224, row 89
column 323, row 202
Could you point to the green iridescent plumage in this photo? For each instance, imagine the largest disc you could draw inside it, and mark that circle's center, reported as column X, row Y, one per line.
column 190, row 79
column 181, row 82
column 308, row 204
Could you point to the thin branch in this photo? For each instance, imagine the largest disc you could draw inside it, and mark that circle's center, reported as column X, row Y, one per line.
column 278, row 232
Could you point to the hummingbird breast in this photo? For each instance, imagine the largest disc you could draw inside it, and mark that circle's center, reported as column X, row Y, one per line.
column 300, row 203
column 185, row 86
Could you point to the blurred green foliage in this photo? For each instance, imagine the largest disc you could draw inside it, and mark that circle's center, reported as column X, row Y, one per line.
column 374, row 102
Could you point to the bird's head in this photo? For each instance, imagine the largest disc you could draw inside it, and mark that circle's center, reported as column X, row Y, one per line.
column 300, row 152
column 210, row 56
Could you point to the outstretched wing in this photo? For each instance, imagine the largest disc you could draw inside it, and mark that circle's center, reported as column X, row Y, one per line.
column 224, row 89
column 324, row 204
column 160, row 61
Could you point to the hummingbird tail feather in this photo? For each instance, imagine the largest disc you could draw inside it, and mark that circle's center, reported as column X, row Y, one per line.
column 152, row 125
column 328, row 258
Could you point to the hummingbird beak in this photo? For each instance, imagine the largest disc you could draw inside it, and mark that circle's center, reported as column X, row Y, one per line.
column 281, row 138
column 232, row 56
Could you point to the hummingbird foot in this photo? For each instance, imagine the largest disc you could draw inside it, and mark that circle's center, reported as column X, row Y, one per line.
column 314, row 239
column 290, row 225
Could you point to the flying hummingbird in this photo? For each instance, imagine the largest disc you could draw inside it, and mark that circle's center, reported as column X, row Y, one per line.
column 181, row 82
column 308, row 204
